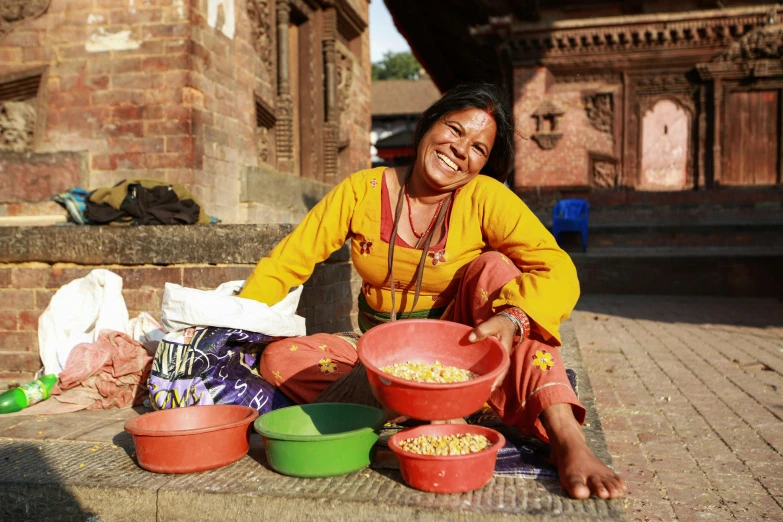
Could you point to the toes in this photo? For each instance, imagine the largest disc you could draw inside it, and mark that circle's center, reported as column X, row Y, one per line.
column 576, row 487
column 597, row 486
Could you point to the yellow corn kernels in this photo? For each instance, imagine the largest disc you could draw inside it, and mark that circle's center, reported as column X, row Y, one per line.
column 443, row 445
column 431, row 373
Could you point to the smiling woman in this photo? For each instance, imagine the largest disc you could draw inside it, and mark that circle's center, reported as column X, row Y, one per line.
column 445, row 239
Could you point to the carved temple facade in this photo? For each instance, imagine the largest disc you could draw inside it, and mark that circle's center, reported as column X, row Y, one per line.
column 257, row 106
column 641, row 95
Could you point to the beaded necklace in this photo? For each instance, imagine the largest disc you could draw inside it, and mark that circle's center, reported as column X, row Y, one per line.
column 410, row 217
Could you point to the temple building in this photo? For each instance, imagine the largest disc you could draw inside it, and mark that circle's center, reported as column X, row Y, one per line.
column 634, row 96
column 257, row 106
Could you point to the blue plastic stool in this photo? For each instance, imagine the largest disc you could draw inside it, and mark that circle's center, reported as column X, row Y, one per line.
column 570, row 215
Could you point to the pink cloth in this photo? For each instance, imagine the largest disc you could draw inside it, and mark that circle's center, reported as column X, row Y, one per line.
column 105, row 374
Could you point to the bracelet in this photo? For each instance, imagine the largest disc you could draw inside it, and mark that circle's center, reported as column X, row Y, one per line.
column 519, row 328
column 520, row 318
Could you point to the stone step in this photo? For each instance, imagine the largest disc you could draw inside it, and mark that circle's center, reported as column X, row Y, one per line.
column 713, row 271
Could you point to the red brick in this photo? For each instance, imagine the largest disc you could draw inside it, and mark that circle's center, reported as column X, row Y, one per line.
column 68, row 99
column 165, row 63
column 169, row 127
column 104, row 162
column 179, row 144
column 132, row 145
column 132, row 81
column 36, row 54
column 126, row 65
column 61, row 276
column 156, row 278
column 9, row 320
column 135, row 17
column 12, row 299
column 145, row 300
column 29, row 277
column 73, row 52
column 116, row 97
column 212, row 277
column 19, row 361
column 122, row 129
column 167, row 30
column 28, row 320
column 162, row 96
column 18, row 341
column 168, row 161
column 43, row 298
column 127, row 112
column 19, row 38
column 130, row 160
column 12, row 55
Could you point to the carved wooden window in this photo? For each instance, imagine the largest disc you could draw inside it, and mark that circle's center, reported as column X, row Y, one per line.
column 666, row 128
column 265, row 131
column 18, row 112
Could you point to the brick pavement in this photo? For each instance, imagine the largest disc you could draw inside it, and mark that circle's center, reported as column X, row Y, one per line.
column 690, row 394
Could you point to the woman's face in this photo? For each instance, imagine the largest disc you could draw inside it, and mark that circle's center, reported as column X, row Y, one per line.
column 455, row 149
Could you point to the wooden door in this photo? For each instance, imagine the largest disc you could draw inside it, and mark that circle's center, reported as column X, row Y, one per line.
column 751, row 146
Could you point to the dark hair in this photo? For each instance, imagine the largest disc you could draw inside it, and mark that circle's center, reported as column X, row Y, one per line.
column 484, row 96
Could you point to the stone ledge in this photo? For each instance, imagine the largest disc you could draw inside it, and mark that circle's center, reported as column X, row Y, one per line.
column 144, row 245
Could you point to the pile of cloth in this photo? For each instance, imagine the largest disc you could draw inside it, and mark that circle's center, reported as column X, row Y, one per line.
column 134, row 202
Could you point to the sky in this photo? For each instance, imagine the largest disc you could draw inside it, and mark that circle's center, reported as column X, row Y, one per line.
column 383, row 35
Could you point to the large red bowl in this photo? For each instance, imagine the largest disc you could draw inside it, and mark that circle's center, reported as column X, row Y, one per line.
column 447, row 474
column 427, row 341
column 197, row 438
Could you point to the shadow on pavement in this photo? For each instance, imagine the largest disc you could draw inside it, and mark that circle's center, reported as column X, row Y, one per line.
column 32, row 490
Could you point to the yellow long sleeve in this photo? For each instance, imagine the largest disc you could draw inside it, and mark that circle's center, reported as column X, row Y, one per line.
column 548, row 288
column 323, row 231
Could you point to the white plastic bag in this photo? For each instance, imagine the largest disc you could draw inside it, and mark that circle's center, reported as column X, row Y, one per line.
column 76, row 313
column 185, row 307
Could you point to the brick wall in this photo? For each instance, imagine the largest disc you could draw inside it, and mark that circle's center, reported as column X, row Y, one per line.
column 567, row 163
column 327, row 303
column 161, row 89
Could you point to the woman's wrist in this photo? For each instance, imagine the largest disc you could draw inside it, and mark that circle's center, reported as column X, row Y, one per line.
column 520, row 320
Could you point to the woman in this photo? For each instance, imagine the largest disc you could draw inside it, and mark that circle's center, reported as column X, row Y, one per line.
column 439, row 240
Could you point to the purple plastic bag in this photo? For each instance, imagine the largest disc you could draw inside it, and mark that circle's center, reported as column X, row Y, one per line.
column 210, row 365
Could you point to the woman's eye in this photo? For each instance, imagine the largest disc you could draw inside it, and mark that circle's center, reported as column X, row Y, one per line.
column 454, row 130
column 479, row 149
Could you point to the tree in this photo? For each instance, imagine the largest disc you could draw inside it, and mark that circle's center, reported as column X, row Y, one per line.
column 396, row 66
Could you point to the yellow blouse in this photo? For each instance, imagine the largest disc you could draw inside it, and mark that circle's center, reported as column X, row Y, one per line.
column 485, row 215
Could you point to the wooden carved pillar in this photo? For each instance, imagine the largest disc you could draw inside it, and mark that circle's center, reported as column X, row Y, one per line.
column 284, row 128
column 331, row 125
column 717, row 142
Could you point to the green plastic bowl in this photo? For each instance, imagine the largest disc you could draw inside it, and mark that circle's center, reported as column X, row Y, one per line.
column 320, row 440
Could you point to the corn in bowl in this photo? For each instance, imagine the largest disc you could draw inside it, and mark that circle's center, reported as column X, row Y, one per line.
column 446, row 445
column 429, row 373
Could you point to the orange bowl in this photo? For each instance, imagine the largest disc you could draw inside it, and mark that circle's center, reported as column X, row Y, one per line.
column 196, row 438
column 447, row 474
column 427, row 341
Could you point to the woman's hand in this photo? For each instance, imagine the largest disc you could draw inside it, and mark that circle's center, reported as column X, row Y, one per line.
column 503, row 329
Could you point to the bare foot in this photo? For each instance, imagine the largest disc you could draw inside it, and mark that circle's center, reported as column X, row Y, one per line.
column 581, row 473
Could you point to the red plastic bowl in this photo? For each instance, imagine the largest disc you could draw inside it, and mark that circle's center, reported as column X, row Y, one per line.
column 427, row 341
column 186, row 440
column 448, row 474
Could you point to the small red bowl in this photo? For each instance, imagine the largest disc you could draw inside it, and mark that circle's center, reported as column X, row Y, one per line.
column 427, row 341
column 447, row 474
column 187, row 440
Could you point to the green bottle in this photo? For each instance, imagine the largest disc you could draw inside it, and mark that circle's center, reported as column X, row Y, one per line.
column 20, row 398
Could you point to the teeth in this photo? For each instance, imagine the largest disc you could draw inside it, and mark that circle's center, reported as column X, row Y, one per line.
column 447, row 161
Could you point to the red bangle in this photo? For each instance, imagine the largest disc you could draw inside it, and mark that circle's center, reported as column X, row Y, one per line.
column 523, row 319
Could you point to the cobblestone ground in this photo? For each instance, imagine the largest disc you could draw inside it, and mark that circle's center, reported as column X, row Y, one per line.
column 690, row 394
